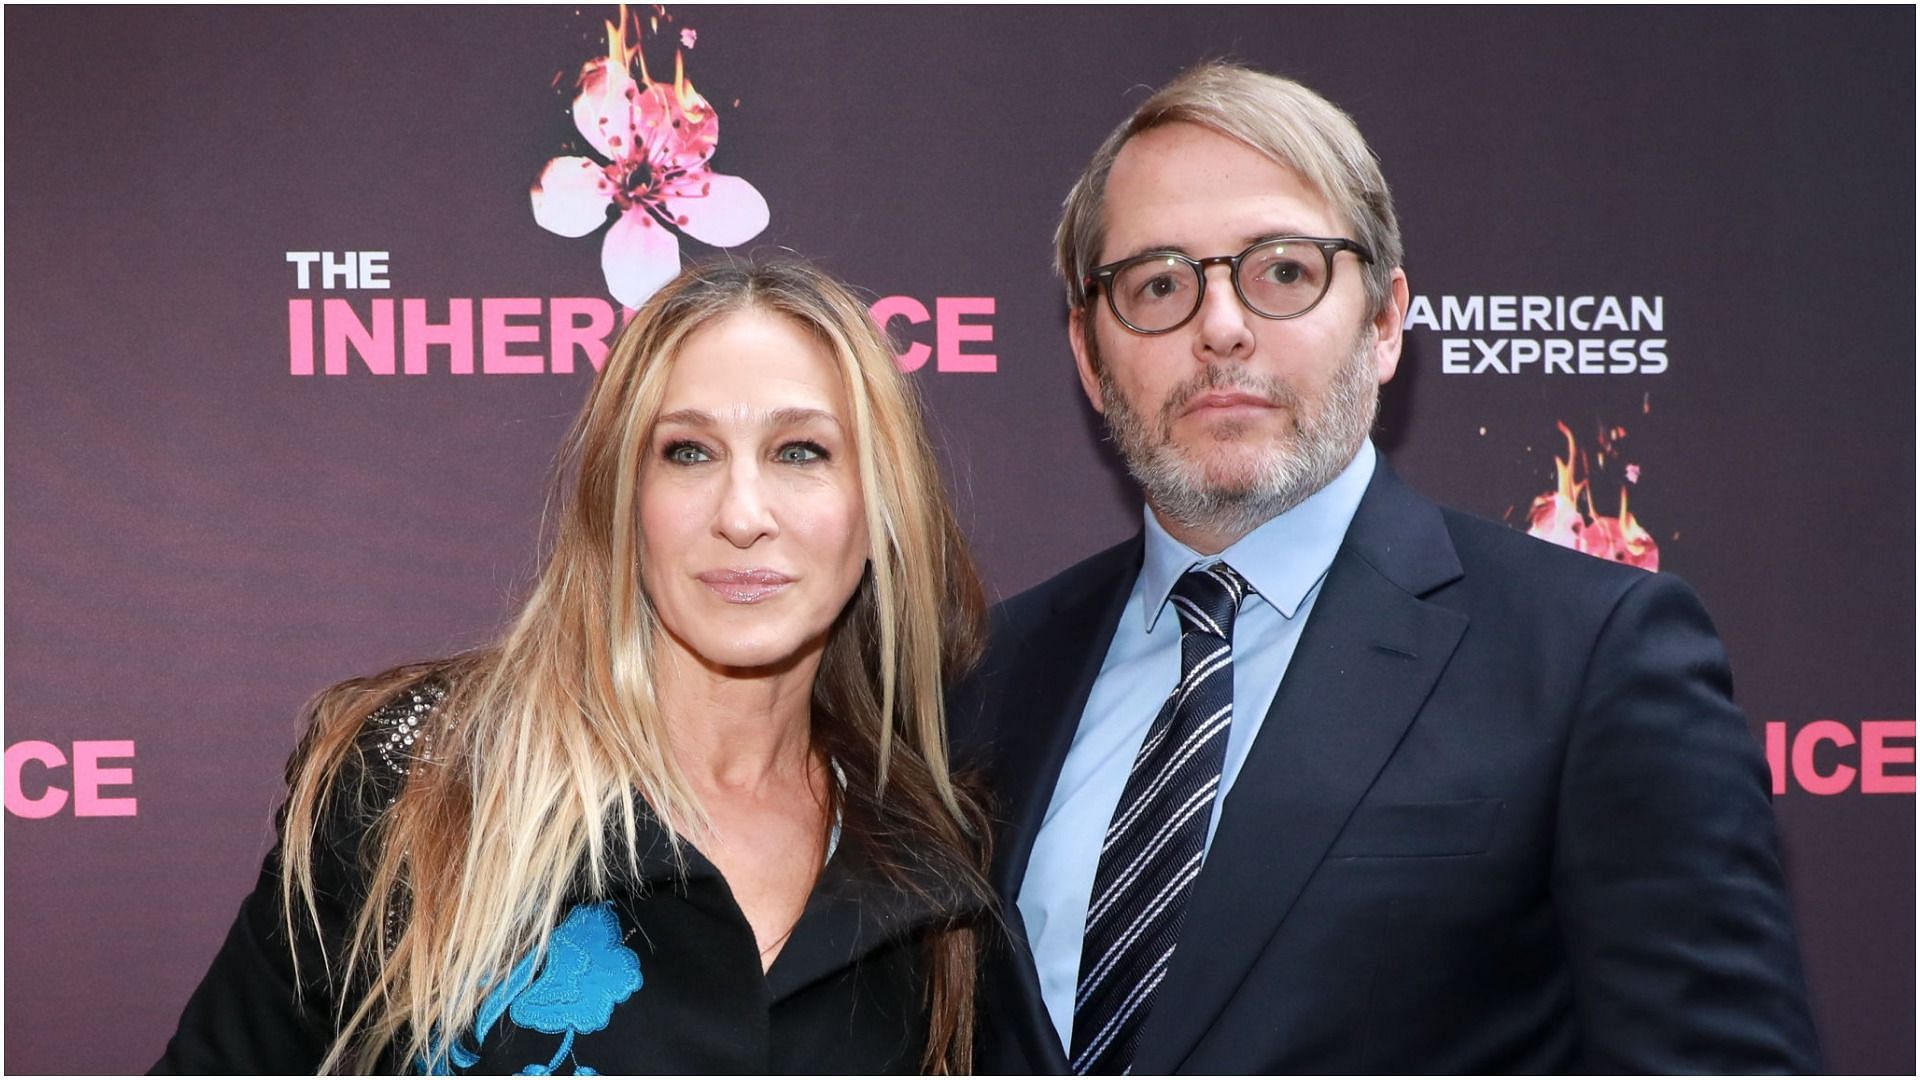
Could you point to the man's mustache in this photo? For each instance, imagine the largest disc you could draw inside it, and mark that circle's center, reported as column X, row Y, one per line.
column 1270, row 390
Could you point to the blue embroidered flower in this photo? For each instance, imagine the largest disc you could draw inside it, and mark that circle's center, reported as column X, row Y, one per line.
column 587, row 972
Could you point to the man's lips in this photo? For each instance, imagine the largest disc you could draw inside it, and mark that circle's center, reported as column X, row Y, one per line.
column 744, row 586
column 1227, row 399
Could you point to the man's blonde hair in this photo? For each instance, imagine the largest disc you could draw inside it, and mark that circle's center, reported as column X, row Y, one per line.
column 1278, row 117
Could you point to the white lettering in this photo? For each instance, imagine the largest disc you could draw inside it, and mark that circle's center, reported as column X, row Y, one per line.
column 1592, row 356
column 1650, row 316
column 373, row 270
column 1500, row 313
column 1454, row 316
column 303, row 264
column 1621, row 352
column 1536, row 313
column 1559, row 356
column 1420, row 315
column 1574, row 318
column 1653, row 352
column 1610, row 317
column 1490, row 355
column 337, row 268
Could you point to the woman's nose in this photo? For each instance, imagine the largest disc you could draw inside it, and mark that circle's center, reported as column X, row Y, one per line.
column 745, row 515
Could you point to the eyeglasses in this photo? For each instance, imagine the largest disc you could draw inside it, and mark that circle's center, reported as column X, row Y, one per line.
column 1279, row 278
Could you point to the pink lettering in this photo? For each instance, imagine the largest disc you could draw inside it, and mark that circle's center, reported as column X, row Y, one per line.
column 888, row 308
column 1804, row 743
column 1777, row 755
column 456, row 334
column 19, row 803
column 569, row 333
column 951, row 333
column 1876, row 755
column 89, row 778
column 574, row 326
column 300, row 336
column 374, row 343
column 497, row 333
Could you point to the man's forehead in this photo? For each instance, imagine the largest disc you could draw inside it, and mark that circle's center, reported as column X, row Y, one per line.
column 1177, row 185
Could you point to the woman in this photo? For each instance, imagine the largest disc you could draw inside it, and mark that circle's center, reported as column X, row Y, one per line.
column 692, row 813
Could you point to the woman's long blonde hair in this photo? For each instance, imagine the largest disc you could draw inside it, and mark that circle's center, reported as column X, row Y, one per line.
column 549, row 745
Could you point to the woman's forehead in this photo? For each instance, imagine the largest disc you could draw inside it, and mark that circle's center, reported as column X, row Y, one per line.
column 755, row 366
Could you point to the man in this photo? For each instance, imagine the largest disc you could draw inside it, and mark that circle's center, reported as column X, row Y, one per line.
column 1314, row 775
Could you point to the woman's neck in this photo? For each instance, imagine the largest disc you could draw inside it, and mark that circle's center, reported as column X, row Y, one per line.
column 738, row 732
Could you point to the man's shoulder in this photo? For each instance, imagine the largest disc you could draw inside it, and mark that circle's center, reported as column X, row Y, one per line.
column 1425, row 546
column 1018, row 629
column 1112, row 568
column 1489, row 546
column 1515, row 577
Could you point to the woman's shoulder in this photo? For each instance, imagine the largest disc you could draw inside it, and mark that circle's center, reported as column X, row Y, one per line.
column 398, row 736
column 369, row 735
column 366, row 742
column 268, row 1002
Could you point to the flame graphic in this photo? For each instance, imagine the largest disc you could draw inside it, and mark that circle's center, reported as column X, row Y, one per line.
column 1566, row 515
column 690, row 100
column 657, row 140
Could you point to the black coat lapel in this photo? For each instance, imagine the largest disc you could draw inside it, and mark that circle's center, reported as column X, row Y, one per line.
column 1369, row 657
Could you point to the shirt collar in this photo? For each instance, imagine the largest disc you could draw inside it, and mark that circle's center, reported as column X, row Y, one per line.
column 1282, row 559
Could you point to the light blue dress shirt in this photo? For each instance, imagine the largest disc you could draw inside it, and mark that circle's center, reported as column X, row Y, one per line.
column 1285, row 560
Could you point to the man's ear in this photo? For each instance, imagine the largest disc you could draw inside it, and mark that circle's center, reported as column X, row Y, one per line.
column 1389, row 327
column 1077, row 330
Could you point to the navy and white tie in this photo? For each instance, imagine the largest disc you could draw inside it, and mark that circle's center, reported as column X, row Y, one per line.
column 1154, row 846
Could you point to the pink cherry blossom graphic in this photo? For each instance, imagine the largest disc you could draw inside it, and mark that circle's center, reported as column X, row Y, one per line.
column 656, row 139
column 1558, row 515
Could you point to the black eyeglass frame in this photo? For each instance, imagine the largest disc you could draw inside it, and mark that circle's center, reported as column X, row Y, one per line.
column 1329, row 246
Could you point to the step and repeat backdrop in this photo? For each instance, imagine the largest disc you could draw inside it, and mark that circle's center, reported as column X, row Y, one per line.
column 299, row 303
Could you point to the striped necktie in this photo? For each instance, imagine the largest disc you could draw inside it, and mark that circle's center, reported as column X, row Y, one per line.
column 1157, row 839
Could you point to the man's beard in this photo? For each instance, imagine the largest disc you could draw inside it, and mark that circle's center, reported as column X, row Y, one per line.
column 1322, row 444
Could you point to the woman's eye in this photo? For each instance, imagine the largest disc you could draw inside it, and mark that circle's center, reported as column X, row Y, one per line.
column 800, row 453
column 686, row 453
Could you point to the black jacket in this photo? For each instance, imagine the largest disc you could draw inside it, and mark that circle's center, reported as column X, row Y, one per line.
column 662, row 975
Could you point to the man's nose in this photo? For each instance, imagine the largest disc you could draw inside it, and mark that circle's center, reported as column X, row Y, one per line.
column 745, row 514
column 1225, row 325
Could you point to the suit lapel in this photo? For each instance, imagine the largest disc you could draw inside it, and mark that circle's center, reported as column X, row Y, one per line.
column 1053, row 671
column 1052, row 674
column 1370, row 655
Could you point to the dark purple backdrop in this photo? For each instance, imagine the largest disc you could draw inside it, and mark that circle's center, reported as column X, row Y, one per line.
column 197, row 540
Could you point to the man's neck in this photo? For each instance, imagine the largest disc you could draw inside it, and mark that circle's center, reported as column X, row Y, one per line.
column 1205, row 538
column 1215, row 535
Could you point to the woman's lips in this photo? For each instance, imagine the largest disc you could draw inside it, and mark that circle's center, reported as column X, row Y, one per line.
column 744, row 586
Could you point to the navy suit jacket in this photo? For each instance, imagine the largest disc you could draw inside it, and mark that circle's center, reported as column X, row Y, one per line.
column 1503, row 817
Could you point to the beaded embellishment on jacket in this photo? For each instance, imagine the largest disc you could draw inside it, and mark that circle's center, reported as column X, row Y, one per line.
column 399, row 735
column 398, row 728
